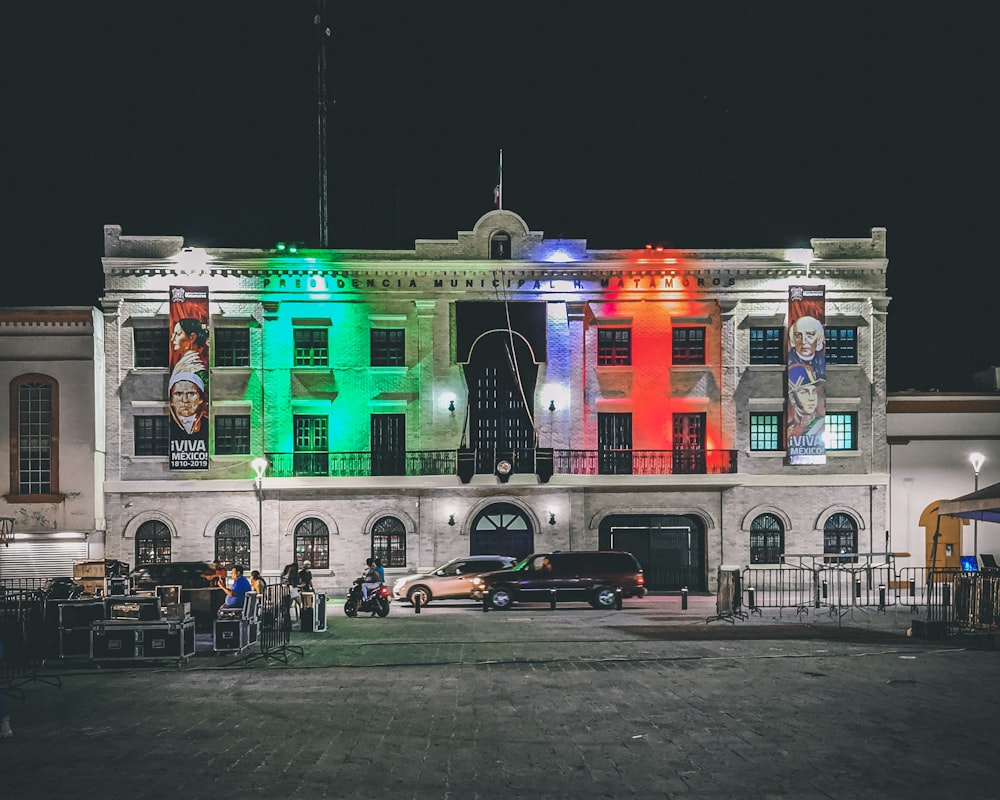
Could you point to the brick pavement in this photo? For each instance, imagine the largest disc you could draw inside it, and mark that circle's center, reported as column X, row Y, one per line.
column 453, row 703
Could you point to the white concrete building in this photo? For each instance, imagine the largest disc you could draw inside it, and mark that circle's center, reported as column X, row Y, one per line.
column 931, row 438
column 498, row 392
column 51, row 363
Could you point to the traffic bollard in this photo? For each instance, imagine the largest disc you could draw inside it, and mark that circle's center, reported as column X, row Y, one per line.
column 552, row 598
column 684, row 598
column 618, row 598
column 417, row 597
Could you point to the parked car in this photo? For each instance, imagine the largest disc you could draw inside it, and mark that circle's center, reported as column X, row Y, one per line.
column 449, row 581
column 591, row 576
column 186, row 574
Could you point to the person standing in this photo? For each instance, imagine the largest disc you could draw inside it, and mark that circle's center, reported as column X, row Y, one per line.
column 305, row 577
column 290, row 578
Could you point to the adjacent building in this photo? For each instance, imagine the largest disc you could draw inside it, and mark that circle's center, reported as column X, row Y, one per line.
column 52, row 404
column 500, row 392
column 932, row 438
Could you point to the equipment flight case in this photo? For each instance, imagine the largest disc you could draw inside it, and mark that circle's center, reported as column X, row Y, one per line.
column 128, row 640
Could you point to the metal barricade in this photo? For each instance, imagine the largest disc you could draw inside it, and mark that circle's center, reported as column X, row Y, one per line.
column 275, row 634
column 780, row 587
column 976, row 600
column 22, row 630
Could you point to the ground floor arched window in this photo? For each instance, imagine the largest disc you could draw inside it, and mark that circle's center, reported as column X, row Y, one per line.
column 312, row 543
column 767, row 539
column 152, row 543
column 389, row 541
column 840, row 535
column 232, row 543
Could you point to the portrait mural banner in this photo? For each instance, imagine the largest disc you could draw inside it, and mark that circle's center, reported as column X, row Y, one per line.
column 805, row 405
column 187, row 388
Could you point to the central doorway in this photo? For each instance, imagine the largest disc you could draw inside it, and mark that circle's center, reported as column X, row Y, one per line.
column 670, row 548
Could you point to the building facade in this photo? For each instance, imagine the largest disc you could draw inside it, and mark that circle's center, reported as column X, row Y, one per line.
column 500, row 392
column 52, row 374
column 931, row 437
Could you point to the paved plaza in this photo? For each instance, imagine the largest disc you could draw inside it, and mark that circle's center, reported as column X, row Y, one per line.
column 650, row 701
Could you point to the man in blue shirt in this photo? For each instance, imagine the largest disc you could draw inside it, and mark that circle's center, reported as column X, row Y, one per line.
column 236, row 593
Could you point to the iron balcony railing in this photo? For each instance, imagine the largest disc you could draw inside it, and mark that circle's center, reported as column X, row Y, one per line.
column 445, row 462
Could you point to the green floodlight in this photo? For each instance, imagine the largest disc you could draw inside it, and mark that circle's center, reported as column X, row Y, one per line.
column 280, row 247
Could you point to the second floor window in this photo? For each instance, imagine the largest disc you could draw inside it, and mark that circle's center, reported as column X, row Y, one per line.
column 311, row 348
column 34, row 423
column 232, row 347
column 152, row 347
column 232, row 434
column 841, row 431
column 689, row 346
column 388, row 347
column 767, row 345
column 765, row 431
column 841, row 345
column 151, row 435
column 614, row 347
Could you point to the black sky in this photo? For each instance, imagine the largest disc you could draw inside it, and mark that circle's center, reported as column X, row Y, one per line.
column 695, row 124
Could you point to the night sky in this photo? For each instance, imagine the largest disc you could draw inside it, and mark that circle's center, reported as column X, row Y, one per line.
column 690, row 124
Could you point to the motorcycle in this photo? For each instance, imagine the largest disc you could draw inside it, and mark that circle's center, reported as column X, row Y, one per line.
column 377, row 602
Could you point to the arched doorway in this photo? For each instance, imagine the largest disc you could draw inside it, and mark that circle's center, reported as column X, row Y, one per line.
column 670, row 548
column 949, row 541
column 501, row 529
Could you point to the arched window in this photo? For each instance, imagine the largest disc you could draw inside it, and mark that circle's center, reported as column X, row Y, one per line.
column 152, row 543
column 232, row 543
column 500, row 246
column 312, row 543
column 767, row 539
column 501, row 528
column 389, row 542
column 840, row 535
column 34, row 439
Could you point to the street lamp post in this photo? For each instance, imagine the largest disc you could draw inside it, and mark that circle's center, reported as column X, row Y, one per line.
column 260, row 467
column 976, row 459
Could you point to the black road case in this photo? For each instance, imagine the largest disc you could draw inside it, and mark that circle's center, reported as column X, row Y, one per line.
column 125, row 640
column 233, row 635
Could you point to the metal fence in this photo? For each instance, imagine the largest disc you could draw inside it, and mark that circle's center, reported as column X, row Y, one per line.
column 22, row 631
column 869, row 583
column 275, row 632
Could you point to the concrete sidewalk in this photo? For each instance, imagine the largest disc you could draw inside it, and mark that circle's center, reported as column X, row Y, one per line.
column 530, row 703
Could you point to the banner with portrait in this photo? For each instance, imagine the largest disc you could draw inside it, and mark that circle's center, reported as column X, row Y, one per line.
column 805, row 404
column 187, row 387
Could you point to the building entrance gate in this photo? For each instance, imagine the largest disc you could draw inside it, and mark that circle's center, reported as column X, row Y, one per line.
column 671, row 549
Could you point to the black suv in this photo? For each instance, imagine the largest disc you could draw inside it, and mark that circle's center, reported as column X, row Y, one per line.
column 591, row 576
column 186, row 574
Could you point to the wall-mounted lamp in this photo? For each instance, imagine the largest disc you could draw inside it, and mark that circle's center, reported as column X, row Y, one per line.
column 552, row 518
column 552, row 405
column 451, row 520
column 451, row 405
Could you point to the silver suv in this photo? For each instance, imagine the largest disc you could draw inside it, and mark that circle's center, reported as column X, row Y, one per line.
column 449, row 581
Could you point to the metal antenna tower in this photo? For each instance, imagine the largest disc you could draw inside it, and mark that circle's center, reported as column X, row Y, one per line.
column 322, row 35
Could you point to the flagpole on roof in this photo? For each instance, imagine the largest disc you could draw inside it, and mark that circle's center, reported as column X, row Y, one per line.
column 498, row 189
